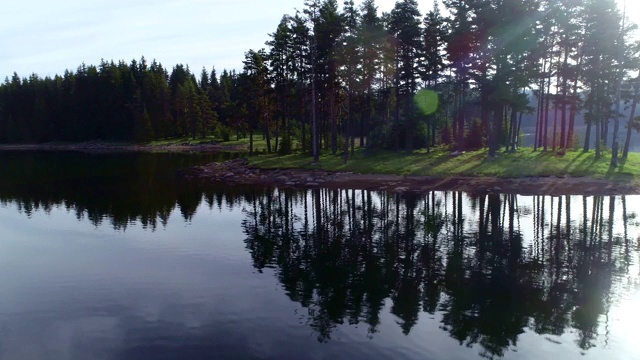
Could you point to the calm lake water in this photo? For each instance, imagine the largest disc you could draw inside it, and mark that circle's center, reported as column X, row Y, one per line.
column 111, row 257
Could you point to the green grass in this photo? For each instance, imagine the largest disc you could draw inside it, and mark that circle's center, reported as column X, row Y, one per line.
column 185, row 140
column 439, row 163
column 259, row 144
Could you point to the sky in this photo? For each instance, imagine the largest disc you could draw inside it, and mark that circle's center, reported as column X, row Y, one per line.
column 47, row 37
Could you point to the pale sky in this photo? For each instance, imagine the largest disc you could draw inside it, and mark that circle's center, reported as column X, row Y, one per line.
column 46, row 37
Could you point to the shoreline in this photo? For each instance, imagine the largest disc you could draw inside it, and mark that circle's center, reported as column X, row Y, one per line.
column 239, row 172
column 92, row 146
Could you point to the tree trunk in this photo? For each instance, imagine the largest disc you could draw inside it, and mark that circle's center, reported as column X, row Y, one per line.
column 461, row 118
column 587, row 137
column 333, row 113
column 605, row 131
column 616, row 119
column 514, row 129
column 545, row 138
column 303, row 123
column 634, row 104
column 345, row 129
column 563, row 103
column 362, row 127
column 397, row 109
column 433, row 131
column 267, row 133
column 352, row 135
column 555, row 123
column 536, row 139
column 517, row 142
column 277, row 136
column 598, row 139
column 346, row 143
column 574, row 105
column 493, row 131
column 314, row 119
column 251, row 142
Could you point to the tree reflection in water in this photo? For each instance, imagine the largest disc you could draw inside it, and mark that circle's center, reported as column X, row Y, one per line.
column 492, row 266
column 488, row 268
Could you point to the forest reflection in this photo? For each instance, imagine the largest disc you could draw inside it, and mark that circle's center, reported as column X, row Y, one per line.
column 491, row 266
column 486, row 268
column 116, row 188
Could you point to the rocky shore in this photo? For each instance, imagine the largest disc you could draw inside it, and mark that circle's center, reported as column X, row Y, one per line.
column 239, row 172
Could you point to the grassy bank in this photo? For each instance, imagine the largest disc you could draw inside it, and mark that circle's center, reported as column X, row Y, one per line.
column 259, row 144
column 439, row 163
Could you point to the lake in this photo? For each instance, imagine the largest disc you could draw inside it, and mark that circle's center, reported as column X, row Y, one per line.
column 111, row 256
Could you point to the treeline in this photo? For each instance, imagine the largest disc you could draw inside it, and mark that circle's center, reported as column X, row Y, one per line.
column 333, row 77
column 111, row 102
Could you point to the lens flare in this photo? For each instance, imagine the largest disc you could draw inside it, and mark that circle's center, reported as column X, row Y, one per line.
column 427, row 101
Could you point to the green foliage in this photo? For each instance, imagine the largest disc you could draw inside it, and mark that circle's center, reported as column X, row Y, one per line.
column 285, row 147
column 381, row 137
column 421, row 136
column 222, row 132
column 143, row 128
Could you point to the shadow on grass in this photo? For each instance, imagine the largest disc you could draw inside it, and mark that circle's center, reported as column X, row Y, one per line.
column 567, row 168
column 583, row 167
column 618, row 173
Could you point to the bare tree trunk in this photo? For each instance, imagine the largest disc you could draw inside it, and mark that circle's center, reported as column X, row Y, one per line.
column 616, row 119
column 587, row 137
column 267, row 133
column 604, row 134
column 634, row 104
column 546, row 114
column 346, row 131
column 555, row 123
column 540, row 114
column 334, row 123
column 536, row 140
column 277, row 136
column 461, row 116
column 563, row 121
column 251, row 141
column 598, row 138
column 493, row 131
column 363, row 118
column 514, row 129
column 518, row 131
column 574, row 104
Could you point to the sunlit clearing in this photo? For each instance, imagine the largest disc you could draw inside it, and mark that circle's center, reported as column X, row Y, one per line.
column 427, row 101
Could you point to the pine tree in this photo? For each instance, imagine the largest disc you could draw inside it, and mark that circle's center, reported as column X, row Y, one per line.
column 350, row 58
column 404, row 26
column 372, row 36
column 601, row 20
column 259, row 88
column 460, row 48
column 143, row 130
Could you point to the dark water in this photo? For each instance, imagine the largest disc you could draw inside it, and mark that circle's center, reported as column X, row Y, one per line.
column 111, row 257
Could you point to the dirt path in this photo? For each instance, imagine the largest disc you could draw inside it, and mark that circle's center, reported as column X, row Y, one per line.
column 238, row 172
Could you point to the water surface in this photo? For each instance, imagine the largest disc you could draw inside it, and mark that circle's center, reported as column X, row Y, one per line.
column 112, row 257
